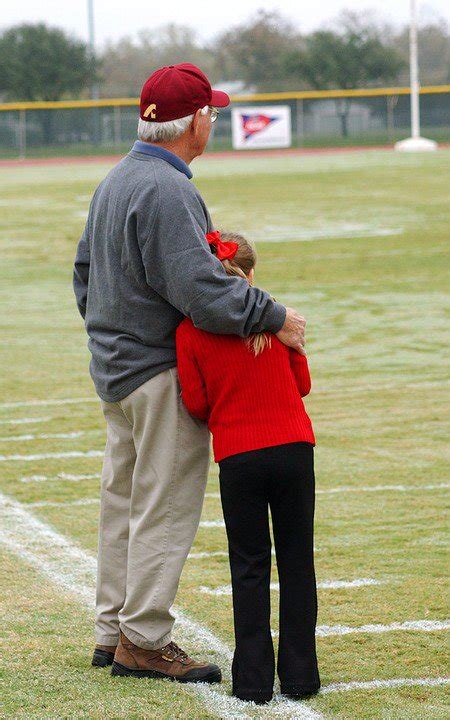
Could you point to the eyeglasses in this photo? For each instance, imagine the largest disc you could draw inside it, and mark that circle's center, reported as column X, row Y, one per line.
column 214, row 114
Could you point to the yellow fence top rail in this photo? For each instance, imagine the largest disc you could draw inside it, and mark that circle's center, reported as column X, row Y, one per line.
column 255, row 97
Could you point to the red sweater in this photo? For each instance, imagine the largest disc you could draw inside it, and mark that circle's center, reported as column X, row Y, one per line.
column 250, row 402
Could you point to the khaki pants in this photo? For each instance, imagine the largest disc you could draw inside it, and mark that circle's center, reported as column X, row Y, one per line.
column 153, row 484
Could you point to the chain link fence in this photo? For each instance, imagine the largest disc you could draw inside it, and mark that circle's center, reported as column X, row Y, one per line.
column 318, row 120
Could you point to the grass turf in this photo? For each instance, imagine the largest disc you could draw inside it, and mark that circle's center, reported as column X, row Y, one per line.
column 358, row 243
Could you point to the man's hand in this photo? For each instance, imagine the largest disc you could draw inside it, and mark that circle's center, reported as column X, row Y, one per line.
column 293, row 331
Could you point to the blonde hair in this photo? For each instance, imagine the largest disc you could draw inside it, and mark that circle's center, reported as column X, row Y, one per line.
column 241, row 265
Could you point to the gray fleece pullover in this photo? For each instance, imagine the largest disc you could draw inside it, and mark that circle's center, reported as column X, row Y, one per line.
column 143, row 263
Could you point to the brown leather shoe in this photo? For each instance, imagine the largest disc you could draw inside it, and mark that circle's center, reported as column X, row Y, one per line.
column 103, row 655
column 170, row 662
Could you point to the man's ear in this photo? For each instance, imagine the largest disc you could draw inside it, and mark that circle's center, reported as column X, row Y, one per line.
column 195, row 121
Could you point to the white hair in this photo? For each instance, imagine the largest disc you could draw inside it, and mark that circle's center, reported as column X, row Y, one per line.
column 165, row 131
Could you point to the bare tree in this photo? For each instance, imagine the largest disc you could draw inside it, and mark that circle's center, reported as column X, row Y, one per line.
column 127, row 63
column 254, row 50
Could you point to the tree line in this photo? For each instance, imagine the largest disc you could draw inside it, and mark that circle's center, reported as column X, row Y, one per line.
column 266, row 53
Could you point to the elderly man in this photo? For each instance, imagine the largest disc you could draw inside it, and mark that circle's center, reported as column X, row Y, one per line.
column 142, row 264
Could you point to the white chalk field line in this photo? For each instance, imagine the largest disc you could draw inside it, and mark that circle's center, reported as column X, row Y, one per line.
column 215, row 553
column 277, row 233
column 25, row 421
column 379, row 387
column 69, row 566
column 61, row 476
column 93, row 501
column 323, row 585
column 361, row 387
column 384, row 684
column 208, row 495
column 96, row 501
column 377, row 253
column 59, row 559
column 376, row 628
column 43, row 436
column 381, row 488
column 67, row 503
column 39, row 403
column 204, row 523
column 52, row 455
column 331, row 391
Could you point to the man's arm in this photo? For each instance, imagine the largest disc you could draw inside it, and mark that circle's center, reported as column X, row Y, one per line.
column 179, row 265
column 81, row 272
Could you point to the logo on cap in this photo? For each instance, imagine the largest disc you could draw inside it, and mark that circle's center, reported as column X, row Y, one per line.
column 151, row 110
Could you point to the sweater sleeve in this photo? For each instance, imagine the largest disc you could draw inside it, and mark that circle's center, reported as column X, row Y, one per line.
column 180, row 267
column 81, row 272
column 300, row 369
column 193, row 390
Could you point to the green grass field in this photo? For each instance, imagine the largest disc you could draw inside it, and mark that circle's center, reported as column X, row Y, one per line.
column 358, row 243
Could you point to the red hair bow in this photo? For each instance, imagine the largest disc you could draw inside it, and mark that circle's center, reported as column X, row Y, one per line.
column 225, row 250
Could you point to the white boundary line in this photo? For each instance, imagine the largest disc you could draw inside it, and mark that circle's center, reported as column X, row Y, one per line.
column 60, row 476
column 43, row 436
column 331, row 391
column 204, row 523
column 379, row 387
column 376, row 628
column 49, row 456
column 215, row 553
column 25, row 421
column 39, row 403
column 212, row 524
column 381, row 488
column 200, row 555
column 384, row 684
column 219, row 523
column 69, row 566
column 65, row 503
column 324, row 585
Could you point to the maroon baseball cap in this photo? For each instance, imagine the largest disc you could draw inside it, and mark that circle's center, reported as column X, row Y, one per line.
column 176, row 91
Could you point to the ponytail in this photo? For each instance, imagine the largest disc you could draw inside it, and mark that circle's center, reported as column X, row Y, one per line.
column 240, row 266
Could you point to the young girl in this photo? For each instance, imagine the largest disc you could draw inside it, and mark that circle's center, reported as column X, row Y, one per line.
column 250, row 393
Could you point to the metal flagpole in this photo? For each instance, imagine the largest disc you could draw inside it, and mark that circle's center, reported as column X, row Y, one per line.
column 94, row 87
column 415, row 142
column 91, row 42
column 414, row 72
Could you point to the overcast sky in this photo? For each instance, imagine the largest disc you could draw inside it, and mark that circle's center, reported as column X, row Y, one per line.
column 115, row 18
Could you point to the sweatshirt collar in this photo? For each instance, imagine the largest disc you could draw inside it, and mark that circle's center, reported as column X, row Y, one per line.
column 159, row 152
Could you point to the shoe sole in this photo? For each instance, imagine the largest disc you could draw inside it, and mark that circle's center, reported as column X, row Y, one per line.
column 215, row 676
column 102, row 658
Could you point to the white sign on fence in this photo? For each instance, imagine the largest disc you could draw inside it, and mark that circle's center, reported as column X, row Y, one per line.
column 261, row 127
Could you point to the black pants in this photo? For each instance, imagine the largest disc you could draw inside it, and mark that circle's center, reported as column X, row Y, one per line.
column 282, row 478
